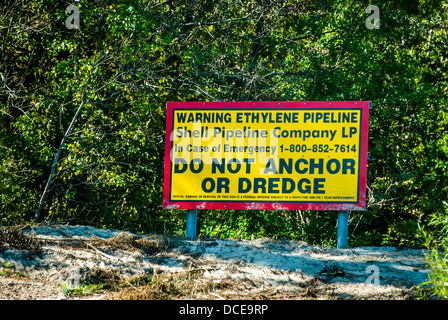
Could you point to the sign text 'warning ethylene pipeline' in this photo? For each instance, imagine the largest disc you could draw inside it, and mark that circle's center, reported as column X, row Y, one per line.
column 266, row 155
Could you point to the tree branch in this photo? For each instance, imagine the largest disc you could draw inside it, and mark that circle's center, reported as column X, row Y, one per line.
column 67, row 133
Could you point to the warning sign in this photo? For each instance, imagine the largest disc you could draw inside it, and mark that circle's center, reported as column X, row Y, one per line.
column 266, row 155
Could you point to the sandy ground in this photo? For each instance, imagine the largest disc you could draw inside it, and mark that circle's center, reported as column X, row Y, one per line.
column 212, row 269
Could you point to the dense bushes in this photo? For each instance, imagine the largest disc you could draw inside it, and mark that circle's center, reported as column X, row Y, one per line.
column 435, row 234
column 131, row 57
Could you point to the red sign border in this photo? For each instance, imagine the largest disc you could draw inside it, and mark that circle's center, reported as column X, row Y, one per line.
column 251, row 205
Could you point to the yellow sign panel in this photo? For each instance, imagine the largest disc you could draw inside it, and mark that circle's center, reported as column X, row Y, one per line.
column 266, row 155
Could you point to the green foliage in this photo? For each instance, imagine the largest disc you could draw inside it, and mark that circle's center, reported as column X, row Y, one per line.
column 141, row 54
column 436, row 241
column 403, row 233
column 84, row 289
column 316, row 227
column 437, row 286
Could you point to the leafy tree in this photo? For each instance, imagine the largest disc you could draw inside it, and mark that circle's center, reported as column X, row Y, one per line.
column 130, row 57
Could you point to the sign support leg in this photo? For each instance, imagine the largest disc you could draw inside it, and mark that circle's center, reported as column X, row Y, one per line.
column 192, row 222
column 342, row 229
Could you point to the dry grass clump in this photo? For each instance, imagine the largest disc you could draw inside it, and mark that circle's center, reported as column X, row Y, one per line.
column 168, row 286
column 14, row 239
column 193, row 285
column 149, row 245
column 108, row 279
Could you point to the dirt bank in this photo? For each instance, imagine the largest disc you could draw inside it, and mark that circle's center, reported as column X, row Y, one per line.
column 130, row 266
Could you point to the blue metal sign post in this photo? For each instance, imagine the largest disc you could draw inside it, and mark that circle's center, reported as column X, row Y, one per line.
column 342, row 238
column 192, row 219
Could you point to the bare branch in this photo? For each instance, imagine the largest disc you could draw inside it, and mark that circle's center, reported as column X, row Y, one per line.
column 67, row 133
